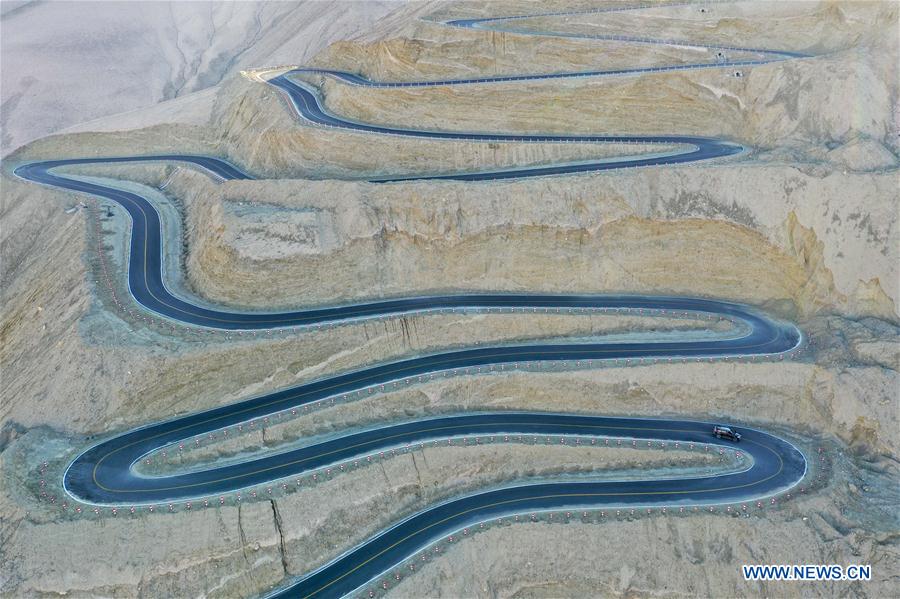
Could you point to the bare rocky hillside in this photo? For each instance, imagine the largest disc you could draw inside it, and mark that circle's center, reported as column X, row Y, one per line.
column 804, row 225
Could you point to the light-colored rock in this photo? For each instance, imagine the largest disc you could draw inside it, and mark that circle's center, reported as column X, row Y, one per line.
column 863, row 155
column 785, row 228
column 67, row 63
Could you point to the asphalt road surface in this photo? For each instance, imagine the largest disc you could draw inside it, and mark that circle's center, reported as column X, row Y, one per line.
column 106, row 472
column 306, row 102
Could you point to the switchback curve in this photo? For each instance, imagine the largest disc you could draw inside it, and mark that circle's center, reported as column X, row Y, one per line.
column 105, row 472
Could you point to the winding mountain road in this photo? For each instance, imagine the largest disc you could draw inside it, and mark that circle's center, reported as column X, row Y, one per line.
column 106, row 473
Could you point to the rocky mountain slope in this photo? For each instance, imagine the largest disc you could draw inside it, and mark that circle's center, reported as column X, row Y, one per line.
column 804, row 225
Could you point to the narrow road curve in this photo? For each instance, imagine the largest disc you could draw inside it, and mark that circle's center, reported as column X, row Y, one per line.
column 106, row 473
column 777, row 465
column 306, row 102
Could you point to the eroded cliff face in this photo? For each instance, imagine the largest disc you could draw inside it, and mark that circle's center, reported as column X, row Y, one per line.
column 819, row 188
column 762, row 234
column 805, row 226
column 849, row 89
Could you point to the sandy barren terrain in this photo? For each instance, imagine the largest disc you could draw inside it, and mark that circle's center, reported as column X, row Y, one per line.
column 804, row 225
column 66, row 63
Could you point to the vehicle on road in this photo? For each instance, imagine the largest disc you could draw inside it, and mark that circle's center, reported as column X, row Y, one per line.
column 725, row 432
